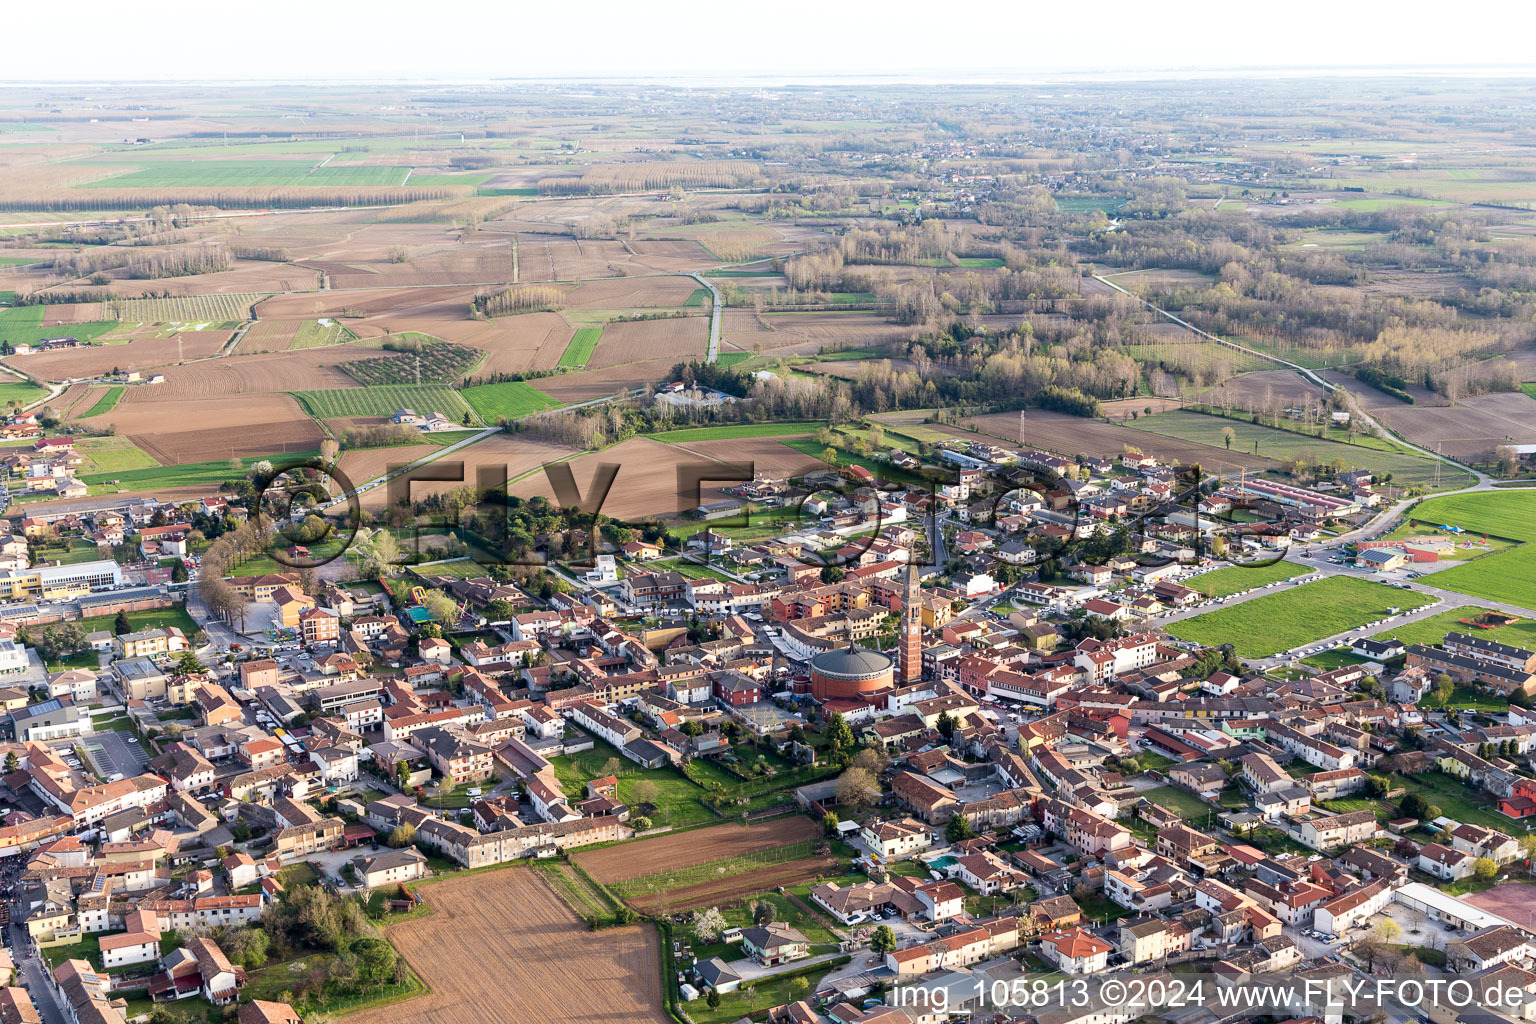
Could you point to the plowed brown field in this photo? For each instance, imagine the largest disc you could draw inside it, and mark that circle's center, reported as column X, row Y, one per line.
column 201, row 430
column 139, row 354
column 645, row 486
column 675, row 338
column 501, row 948
column 700, row 846
column 723, row 891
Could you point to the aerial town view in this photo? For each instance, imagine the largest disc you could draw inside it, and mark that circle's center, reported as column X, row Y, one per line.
column 1050, row 548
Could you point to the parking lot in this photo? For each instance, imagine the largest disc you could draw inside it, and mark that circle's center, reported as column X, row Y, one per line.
column 115, row 753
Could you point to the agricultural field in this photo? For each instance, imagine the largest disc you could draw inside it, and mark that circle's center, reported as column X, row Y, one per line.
column 383, row 401
column 735, row 430
column 645, row 485
column 106, row 403
column 194, row 430
column 111, row 455
column 19, row 392
column 24, row 325
column 186, row 477
column 252, row 174
column 434, row 364
column 676, row 338
column 684, row 851
column 1231, row 580
column 1508, row 575
column 506, row 400
column 547, row 964
column 1252, row 438
column 583, row 344
column 184, row 309
column 282, row 335
column 1295, row 616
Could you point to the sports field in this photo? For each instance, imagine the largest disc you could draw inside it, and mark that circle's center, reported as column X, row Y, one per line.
column 1299, row 615
column 1508, row 575
column 509, row 399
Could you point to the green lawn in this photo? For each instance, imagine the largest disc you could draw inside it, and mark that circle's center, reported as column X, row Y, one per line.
column 1503, row 576
column 1181, row 800
column 107, row 402
column 155, row 618
column 1329, row 660
column 697, row 297
column 1223, row 582
column 677, row 801
column 734, row 430
column 1458, row 800
column 581, row 346
column 1299, row 615
column 506, row 400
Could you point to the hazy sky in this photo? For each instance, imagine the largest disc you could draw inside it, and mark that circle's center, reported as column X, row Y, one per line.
column 1005, row 39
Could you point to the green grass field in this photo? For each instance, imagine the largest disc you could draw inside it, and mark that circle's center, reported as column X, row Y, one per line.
column 508, row 399
column 383, row 400
column 188, row 474
column 252, row 174
column 731, row 430
column 1182, row 801
column 697, row 297
column 1508, row 575
column 1289, row 618
column 112, row 455
column 581, row 346
column 23, row 325
column 1432, row 629
column 1529, row 388
column 19, row 391
column 732, row 358
column 107, row 402
column 1221, row 582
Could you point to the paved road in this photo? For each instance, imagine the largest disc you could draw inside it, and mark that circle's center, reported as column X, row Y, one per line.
column 717, row 310
column 31, row 970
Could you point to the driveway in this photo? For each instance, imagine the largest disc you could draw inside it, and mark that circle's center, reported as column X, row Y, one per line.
column 751, row 970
